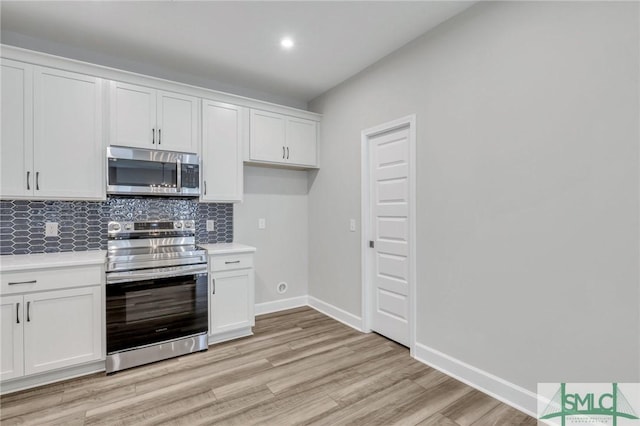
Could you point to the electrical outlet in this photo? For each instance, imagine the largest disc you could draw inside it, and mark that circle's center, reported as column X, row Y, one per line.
column 211, row 225
column 262, row 223
column 352, row 225
column 51, row 229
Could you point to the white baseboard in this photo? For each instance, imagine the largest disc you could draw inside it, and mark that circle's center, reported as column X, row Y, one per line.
column 280, row 305
column 500, row 389
column 51, row 377
column 336, row 313
column 229, row 335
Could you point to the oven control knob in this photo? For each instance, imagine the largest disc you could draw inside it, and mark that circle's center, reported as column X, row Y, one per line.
column 114, row 227
column 178, row 225
column 128, row 227
column 188, row 224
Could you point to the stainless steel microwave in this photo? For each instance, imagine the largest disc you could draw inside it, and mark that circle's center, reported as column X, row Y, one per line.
column 135, row 171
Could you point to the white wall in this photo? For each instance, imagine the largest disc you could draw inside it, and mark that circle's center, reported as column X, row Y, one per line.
column 280, row 197
column 527, row 153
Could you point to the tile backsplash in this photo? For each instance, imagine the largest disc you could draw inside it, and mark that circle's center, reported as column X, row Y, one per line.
column 82, row 225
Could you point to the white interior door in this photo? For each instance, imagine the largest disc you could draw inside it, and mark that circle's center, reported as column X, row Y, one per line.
column 389, row 227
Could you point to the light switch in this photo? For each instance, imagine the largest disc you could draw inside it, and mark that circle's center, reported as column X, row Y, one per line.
column 51, row 229
column 211, row 225
column 262, row 223
column 352, row 225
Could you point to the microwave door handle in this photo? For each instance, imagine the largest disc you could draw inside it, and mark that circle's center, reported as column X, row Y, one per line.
column 179, row 176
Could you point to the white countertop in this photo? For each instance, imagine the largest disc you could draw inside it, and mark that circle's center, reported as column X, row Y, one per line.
column 227, row 248
column 20, row 262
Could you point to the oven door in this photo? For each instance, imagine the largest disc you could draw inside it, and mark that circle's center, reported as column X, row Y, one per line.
column 150, row 311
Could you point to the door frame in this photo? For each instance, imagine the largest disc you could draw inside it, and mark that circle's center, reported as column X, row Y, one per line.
column 366, row 258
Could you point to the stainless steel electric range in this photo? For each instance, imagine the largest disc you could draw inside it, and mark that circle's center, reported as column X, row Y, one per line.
column 156, row 292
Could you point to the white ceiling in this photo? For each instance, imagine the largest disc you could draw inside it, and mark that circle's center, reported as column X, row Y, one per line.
column 235, row 43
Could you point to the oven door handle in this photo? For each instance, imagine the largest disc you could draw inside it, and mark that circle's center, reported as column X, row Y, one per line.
column 129, row 276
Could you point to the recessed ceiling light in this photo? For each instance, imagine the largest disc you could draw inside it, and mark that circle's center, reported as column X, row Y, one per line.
column 286, row 43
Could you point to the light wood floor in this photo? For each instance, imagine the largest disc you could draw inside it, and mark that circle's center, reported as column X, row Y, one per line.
column 300, row 367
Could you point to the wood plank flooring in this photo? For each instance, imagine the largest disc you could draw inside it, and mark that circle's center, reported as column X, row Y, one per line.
column 300, row 367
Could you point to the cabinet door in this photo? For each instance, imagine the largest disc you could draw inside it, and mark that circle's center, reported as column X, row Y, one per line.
column 267, row 137
column 68, row 158
column 16, row 138
column 11, row 348
column 221, row 152
column 177, row 122
column 132, row 116
column 231, row 300
column 301, row 141
column 62, row 328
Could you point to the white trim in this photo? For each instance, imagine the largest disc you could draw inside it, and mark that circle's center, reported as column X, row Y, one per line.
column 336, row 313
column 280, row 305
column 229, row 335
column 42, row 379
column 410, row 122
column 511, row 394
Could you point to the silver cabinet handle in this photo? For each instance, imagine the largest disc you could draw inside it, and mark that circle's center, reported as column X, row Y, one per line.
column 230, row 262
column 28, row 311
column 153, row 136
column 287, row 153
column 28, row 176
column 23, row 282
column 37, row 181
column 18, row 313
column 159, row 136
column 283, row 152
column 205, row 187
column 213, row 285
column 178, row 170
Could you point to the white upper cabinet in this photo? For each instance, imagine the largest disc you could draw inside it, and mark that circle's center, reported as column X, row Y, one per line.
column 268, row 136
column 142, row 117
column 221, row 152
column 133, row 115
column 302, row 141
column 283, row 139
column 16, row 138
column 51, row 134
column 67, row 155
column 177, row 122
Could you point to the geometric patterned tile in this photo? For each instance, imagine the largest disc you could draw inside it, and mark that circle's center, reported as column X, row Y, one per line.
column 82, row 225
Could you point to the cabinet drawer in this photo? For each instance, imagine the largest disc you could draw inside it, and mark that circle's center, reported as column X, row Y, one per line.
column 50, row 279
column 227, row 262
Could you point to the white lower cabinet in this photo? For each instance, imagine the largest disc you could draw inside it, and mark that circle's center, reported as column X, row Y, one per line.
column 62, row 329
column 43, row 331
column 11, row 337
column 231, row 291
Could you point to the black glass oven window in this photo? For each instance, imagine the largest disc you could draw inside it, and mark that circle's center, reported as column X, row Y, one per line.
column 152, row 311
column 142, row 173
